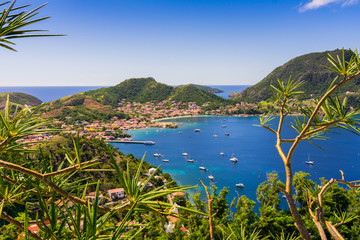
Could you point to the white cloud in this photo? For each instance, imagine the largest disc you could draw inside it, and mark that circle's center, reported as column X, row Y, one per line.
column 315, row 4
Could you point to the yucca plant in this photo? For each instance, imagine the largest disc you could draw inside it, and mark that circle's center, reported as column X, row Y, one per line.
column 236, row 231
column 14, row 22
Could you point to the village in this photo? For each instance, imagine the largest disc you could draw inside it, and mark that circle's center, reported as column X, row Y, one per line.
column 142, row 115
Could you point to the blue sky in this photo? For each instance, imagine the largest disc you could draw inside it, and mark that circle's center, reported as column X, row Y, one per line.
column 210, row 42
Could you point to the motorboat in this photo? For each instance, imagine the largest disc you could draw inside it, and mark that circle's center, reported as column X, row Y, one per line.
column 157, row 155
column 222, row 153
column 190, row 160
column 223, row 126
column 149, row 142
column 211, row 177
column 165, row 160
column 179, row 132
column 197, row 130
column 203, row 168
column 185, row 154
column 240, row 185
column 215, row 136
column 227, row 134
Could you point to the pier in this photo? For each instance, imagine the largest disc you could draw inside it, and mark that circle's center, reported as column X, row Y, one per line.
column 131, row 141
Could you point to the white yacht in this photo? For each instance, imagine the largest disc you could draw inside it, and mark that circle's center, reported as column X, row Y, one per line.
column 240, row 185
column 185, row 154
column 157, row 155
column 203, row 168
column 211, row 177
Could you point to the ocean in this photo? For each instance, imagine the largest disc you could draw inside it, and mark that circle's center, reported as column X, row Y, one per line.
column 253, row 146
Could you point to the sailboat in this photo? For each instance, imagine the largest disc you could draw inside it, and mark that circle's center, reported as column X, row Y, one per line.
column 211, row 177
column 233, row 159
column 308, row 161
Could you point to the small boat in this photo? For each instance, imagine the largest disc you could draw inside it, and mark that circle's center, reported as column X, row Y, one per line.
column 179, row 132
column 222, row 153
column 211, row 177
column 190, row 160
column 308, row 161
column 149, row 142
column 165, row 160
column 203, row 168
column 233, row 159
column 283, row 196
column 157, row 155
column 240, row 185
column 185, row 154
column 223, row 126
column 215, row 136
column 227, row 134
column 197, row 130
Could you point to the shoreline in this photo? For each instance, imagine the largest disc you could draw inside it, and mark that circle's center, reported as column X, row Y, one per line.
column 190, row 116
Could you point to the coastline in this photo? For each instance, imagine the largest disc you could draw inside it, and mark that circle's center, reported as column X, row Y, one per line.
column 190, row 116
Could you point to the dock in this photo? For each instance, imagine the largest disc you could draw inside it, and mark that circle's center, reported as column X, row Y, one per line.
column 131, row 141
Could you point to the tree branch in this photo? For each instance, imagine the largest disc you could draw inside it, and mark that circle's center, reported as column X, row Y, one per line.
column 17, row 224
column 45, row 180
column 72, row 168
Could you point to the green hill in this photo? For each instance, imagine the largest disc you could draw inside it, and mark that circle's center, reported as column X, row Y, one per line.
column 147, row 89
column 191, row 93
column 135, row 89
column 206, row 88
column 19, row 99
column 309, row 68
column 100, row 104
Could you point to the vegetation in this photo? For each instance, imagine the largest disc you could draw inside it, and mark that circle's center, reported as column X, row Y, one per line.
column 311, row 69
column 328, row 114
column 190, row 93
column 19, row 99
column 147, row 89
column 14, row 22
column 206, row 88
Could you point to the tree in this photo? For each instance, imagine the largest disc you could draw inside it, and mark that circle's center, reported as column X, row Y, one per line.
column 328, row 114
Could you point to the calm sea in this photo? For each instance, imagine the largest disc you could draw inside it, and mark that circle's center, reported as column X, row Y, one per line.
column 253, row 146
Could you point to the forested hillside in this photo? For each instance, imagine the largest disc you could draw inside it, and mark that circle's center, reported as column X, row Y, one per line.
column 309, row 68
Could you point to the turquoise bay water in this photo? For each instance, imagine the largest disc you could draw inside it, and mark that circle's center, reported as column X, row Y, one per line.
column 253, row 146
